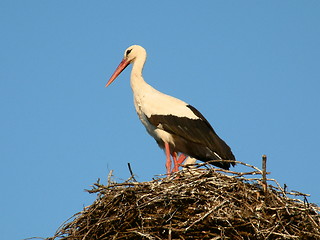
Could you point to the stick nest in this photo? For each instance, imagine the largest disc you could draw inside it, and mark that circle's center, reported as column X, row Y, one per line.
column 195, row 203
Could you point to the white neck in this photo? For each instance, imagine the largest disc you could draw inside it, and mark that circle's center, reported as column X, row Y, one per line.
column 137, row 82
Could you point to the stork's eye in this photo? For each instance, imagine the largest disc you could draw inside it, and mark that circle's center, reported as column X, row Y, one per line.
column 128, row 51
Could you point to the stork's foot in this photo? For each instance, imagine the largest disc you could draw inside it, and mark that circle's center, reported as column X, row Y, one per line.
column 178, row 162
column 181, row 158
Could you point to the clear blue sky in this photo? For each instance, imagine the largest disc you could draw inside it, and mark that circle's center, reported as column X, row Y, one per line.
column 251, row 67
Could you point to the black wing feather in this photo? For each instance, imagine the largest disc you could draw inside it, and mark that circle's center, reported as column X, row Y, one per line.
column 195, row 137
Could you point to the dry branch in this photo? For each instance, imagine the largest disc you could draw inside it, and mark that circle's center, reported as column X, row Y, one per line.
column 195, row 203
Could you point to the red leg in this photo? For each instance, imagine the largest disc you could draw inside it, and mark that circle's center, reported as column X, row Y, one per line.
column 175, row 162
column 181, row 158
column 168, row 161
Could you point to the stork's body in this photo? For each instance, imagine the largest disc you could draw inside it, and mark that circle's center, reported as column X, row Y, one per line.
column 175, row 125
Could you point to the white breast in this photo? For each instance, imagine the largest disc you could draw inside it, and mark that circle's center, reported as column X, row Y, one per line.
column 155, row 132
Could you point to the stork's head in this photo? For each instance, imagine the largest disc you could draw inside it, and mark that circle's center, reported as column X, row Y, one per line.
column 130, row 55
column 134, row 51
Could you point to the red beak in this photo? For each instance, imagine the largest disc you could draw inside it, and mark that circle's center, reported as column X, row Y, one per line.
column 124, row 63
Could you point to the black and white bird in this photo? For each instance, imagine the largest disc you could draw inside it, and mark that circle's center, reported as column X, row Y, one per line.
column 178, row 127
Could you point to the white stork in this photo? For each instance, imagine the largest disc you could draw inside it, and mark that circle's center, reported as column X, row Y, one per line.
column 177, row 127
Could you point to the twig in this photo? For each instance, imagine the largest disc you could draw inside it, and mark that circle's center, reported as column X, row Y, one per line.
column 144, row 235
column 130, row 170
column 109, row 177
column 207, row 214
column 264, row 175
